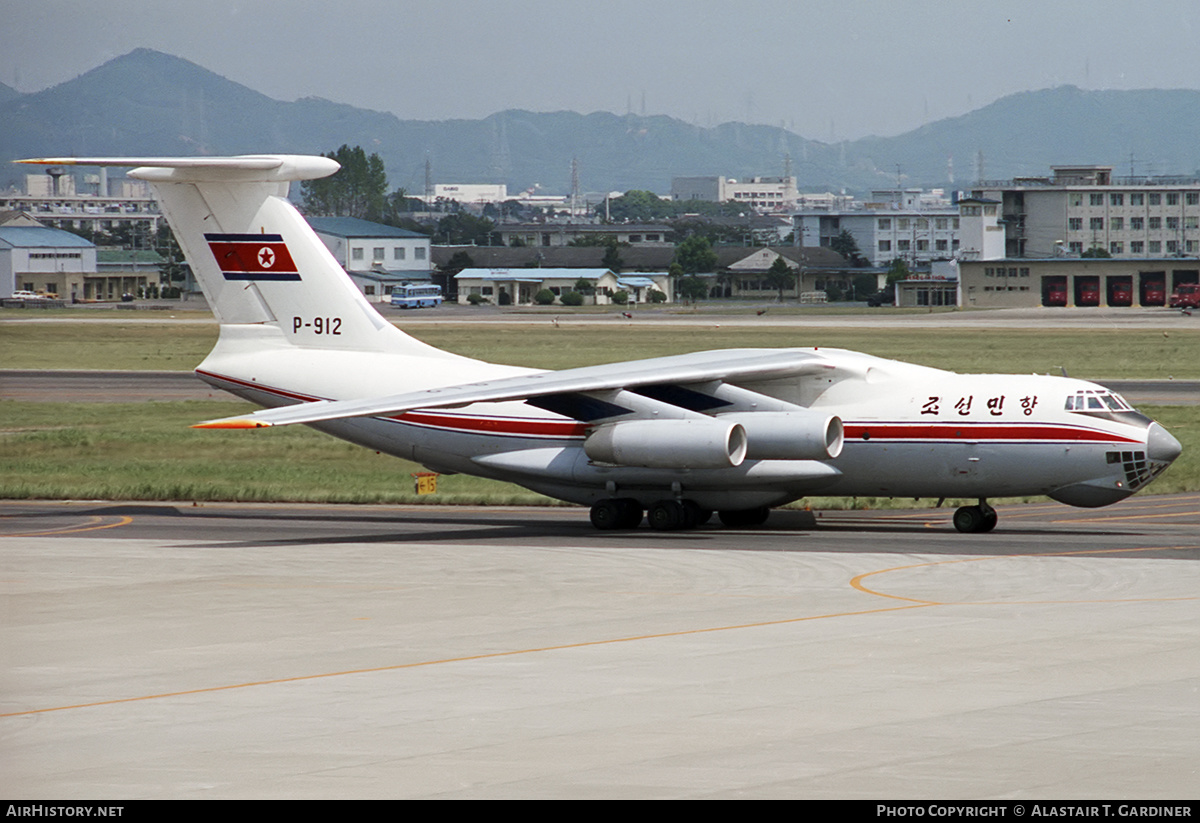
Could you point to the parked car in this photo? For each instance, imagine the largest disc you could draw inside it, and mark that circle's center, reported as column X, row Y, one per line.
column 885, row 297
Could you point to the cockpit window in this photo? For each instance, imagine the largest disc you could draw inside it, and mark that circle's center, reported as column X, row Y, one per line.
column 1106, row 405
column 1084, row 401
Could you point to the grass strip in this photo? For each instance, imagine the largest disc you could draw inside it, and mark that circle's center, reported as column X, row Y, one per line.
column 1092, row 353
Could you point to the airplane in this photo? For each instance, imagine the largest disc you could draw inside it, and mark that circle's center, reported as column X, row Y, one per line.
column 671, row 439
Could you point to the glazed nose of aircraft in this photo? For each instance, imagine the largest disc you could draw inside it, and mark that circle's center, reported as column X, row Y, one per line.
column 1161, row 446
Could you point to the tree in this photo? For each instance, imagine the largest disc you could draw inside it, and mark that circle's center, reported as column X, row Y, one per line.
column 725, row 283
column 544, row 297
column 172, row 269
column 458, row 261
column 463, row 229
column 898, row 270
column 357, row 189
column 1096, row 251
column 612, row 258
column 864, row 285
column 636, row 205
column 695, row 254
column 781, row 276
column 845, row 245
column 692, row 288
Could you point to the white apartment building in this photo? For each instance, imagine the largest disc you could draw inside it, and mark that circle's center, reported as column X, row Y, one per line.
column 757, row 193
column 60, row 203
column 471, row 193
column 1079, row 208
column 884, row 232
column 377, row 257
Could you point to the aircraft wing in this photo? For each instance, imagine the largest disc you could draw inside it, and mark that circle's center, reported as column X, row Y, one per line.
column 729, row 365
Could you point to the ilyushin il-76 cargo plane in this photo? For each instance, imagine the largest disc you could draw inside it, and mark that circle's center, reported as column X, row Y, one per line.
column 673, row 438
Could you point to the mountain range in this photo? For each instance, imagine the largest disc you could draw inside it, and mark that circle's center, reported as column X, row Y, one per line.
column 150, row 103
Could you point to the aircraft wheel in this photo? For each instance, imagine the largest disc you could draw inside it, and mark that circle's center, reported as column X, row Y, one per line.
column 666, row 515
column 624, row 513
column 976, row 519
column 989, row 521
column 606, row 515
column 744, row 518
column 970, row 519
column 631, row 513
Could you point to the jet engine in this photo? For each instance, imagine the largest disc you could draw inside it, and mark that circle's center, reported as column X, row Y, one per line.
column 798, row 435
column 688, row 443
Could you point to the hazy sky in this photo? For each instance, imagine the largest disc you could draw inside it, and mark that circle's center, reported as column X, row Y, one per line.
column 826, row 70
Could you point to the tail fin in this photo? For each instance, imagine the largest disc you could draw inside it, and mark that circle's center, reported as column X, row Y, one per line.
column 256, row 258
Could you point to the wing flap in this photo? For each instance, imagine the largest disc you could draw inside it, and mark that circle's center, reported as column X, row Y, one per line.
column 698, row 367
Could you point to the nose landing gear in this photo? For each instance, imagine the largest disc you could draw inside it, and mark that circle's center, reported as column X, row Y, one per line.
column 977, row 519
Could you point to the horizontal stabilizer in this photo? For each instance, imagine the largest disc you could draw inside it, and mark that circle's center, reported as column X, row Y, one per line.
column 245, row 168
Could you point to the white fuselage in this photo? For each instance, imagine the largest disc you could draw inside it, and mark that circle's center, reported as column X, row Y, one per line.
column 910, row 431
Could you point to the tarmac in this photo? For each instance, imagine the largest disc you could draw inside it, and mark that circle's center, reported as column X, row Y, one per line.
column 238, row 651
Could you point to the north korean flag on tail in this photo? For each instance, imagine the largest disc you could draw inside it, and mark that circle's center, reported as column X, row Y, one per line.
column 252, row 256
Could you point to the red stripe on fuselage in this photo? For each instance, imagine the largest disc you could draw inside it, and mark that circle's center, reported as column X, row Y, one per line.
column 1000, row 432
column 304, row 398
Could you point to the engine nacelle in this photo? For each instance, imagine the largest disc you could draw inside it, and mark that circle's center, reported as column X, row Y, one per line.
column 669, row 444
column 798, row 435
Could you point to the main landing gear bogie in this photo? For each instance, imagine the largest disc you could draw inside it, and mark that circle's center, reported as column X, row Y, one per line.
column 669, row 515
column 620, row 513
column 975, row 519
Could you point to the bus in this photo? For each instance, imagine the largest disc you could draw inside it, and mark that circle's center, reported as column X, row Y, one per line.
column 422, row 296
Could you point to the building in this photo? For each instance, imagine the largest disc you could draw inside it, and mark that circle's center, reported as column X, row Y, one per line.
column 377, row 257
column 1079, row 208
column 1022, row 282
column 742, row 273
column 1080, row 237
column 58, row 203
column 757, row 193
column 637, row 286
column 548, row 235
column 45, row 260
column 120, row 272
column 938, row 287
column 918, row 227
column 470, row 193
column 519, row 286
